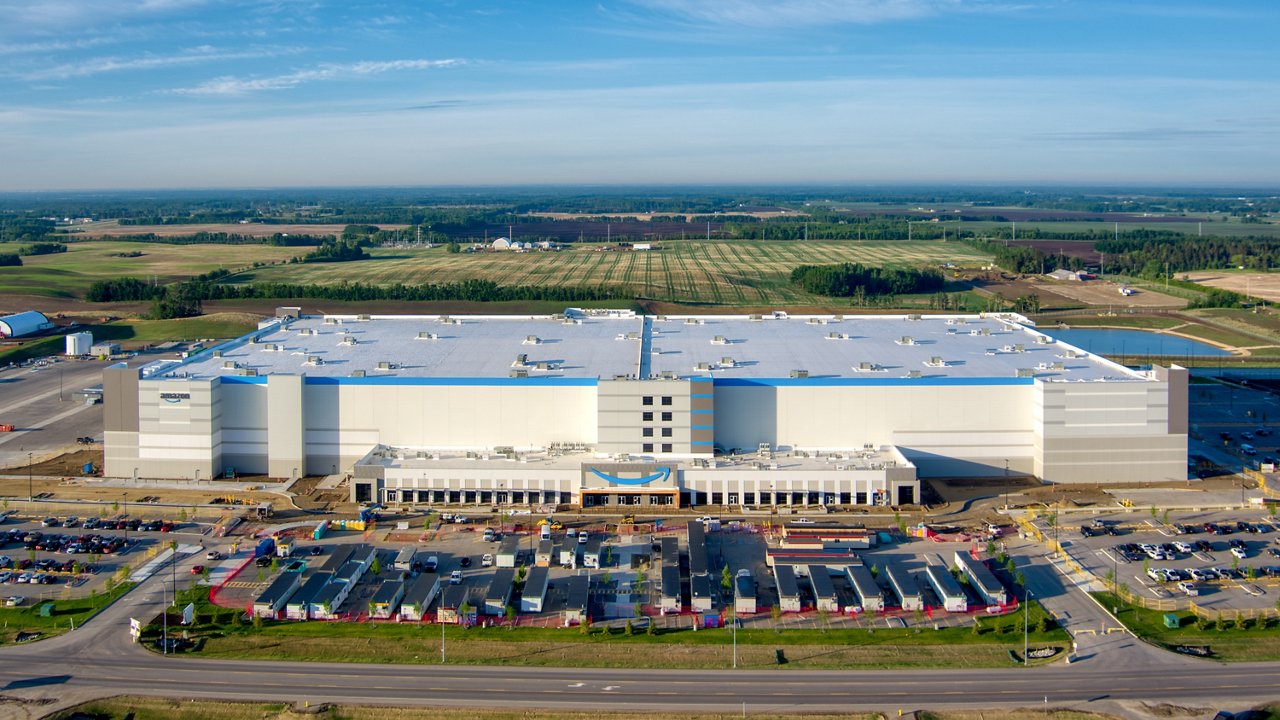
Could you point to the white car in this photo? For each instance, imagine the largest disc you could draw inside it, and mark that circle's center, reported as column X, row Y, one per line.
column 1183, row 547
column 802, row 521
column 455, row 577
column 1189, row 589
column 1240, row 552
column 486, row 560
column 13, row 601
column 582, row 537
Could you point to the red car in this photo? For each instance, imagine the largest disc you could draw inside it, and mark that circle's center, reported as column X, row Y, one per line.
column 197, row 569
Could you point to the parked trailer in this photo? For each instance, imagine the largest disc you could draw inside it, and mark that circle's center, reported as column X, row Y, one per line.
column 864, row 584
column 744, row 595
column 273, row 599
column 498, row 595
column 533, row 598
column 266, row 546
column 824, row 591
column 386, row 599
column 405, row 558
column 946, row 588
column 788, row 591
column 982, row 579
column 904, row 586
column 670, row 588
column 299, row 606
column 418, row 597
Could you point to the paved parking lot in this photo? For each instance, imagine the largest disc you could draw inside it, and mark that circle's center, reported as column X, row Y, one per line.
column 1220, row 579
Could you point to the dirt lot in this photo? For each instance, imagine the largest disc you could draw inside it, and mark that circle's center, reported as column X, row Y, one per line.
column 1259, row 285
column 112, row 228
column 1098, row 292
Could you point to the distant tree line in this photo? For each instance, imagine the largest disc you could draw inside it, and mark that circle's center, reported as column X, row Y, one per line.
column 10, row 260
column 853, row 279
column 336, row 251
column 218, row 238
column 42, row 248
column 1155, row 257
column 206, row 288
column 15, row 228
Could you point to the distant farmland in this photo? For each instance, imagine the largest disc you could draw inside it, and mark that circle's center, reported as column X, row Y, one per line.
column 719, row 272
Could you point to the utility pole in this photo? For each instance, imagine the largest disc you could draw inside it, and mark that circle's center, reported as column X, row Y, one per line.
column 1026, row 614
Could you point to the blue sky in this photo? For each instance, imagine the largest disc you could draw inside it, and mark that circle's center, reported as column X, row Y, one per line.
column 116, row 94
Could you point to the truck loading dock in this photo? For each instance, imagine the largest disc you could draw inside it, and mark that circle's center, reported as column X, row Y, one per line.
column 419, row 596
column 788, row 590
column 824, row 591
column 947, row 589
column 869, row 593
column 904, row 586
column 498, row 594
column 534, row 596
column 982, row 580
column 273, row 599
column 299, row 606
column 386, row 599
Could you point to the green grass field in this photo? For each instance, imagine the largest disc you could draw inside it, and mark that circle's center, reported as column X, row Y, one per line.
column 1254, row 643
column 69, row 274
column 1231, row 227
column 716, row 272
column 220, row 326
column 65, row 614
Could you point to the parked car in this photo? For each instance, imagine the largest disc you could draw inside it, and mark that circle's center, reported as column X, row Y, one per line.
column 465, row 561
column 197, row 569
column 213, row 555
column 455, row 577
column 1188, row 588
column 486, row 560
column 1240, row 552
column 14, row 601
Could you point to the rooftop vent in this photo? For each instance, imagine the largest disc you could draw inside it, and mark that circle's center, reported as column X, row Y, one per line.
column 905, row 340
column 519, row 373
column 702, row 367
column 217, row 353
column 357, row 373
column 362, row 318
column 387, row 365
column 936, row 362
column 914, row 374
column 800, row 374
column 1026, row 372
column 913, row 317
column 531, row 340
column 719, row 340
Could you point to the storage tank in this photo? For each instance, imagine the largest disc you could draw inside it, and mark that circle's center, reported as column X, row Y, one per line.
column 79, row 343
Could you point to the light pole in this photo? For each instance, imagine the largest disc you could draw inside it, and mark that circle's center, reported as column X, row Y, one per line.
column 735, row 629
column 31, row 493
column 1026, row 615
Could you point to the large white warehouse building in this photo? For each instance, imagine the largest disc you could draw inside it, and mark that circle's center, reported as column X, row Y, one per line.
column 612, row 408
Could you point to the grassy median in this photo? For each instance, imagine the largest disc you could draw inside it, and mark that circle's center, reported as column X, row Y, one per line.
column 63, row 615
column 983, row 642
column 1230, row 640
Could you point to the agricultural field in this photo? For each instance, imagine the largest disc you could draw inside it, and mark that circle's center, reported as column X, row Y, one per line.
column 69, row 274
column 112, row 228
column 716, row 272
column 1259, row 285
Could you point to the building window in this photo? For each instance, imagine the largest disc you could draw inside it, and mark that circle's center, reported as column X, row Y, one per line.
column 646, row 400
column 666, row 399
column 646, row 432
column 647, row 416
column 647, row 447
column 666, row 417
column 666, row 432
column 666, row 447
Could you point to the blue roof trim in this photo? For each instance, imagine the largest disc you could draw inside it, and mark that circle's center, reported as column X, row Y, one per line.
column 458, row 381
column 243, row 379
column 701, row 412
column 702, row 395
column 701, row 442
column 871, row 382
column 702, row 427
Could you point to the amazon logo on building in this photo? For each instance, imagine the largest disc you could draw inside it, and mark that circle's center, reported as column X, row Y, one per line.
column 628, row 474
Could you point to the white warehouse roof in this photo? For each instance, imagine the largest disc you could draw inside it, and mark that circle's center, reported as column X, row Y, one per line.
column 868, row 349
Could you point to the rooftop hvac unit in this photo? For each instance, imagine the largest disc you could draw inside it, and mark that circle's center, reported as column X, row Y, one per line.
column 249, row 372
column 1058, row 366
column 531, row 340
column 522, row 359
column 1043, row 339
column 914, row 374
column 936, row 362
column 655, row 351
column 692, row 321
column 444, row 319
column 362, row 318
column 332, row 321
column 1026, row 372
column 349, row 340
column 837, row 318
column 557, row 316
column 913, row 317
column 633, row 335
column 230, row 365
column 905, row 340
column 357, row 373
column 961, row 321
column 545, row 366
column 719, row 340
column 800, row 374
column 314, row 360
column 424, row 335
column 621, row 377
column 728, row 362
column 217, row 353
column 386, row 365
column 702, row 367
column 755, row 318
column 661, row 318
column 519, row 373
column 1019, row 348
column 669, row 375
column 868, row 367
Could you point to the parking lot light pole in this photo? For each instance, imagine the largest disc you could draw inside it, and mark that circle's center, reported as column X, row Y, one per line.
column 31, row 493
column 440, row 617
column 1026, row 616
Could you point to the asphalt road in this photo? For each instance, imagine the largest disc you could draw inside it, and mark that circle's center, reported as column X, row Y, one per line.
column 98, row 660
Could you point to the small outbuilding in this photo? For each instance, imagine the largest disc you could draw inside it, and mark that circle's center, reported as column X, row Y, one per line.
column 577, row 600
column 273, row 599
column 299, row 606
column 534, row 596
column 386, row 599
column 498, row 594
column 744, row 595
column 419, row 596
column 865, row 587
column 788, row 591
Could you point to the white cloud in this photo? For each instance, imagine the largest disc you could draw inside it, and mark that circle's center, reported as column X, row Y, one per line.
column 804, row 13
column 192, row 56
column 242, row 86
column 74, row 15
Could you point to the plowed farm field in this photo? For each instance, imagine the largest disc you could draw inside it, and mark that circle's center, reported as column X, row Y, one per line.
column 718, row 272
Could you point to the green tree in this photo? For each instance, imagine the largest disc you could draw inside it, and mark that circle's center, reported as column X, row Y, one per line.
column 453, row 247
column 510, row 612
column 628, row 630
column 1164, row 516
column 726, row 578
column 375, row 567
column 651, row 629
column 257, row 621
